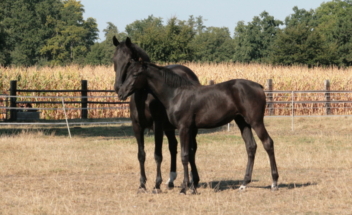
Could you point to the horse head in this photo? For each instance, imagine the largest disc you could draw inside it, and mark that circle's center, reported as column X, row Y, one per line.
column 135, row 79
column 125, row 52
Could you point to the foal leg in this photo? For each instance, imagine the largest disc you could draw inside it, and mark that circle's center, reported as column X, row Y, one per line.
column 158, row 156
column 170, row 134
column 139, row 134
column 192, row 161
column 251, row 147
column 269, row 147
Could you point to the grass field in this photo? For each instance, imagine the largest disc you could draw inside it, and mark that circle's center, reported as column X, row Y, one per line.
column 42, row 171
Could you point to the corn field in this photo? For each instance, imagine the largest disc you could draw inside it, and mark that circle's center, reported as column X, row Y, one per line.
column 293, row 78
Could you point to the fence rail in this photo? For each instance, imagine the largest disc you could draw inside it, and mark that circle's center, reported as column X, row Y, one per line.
column 279, row 103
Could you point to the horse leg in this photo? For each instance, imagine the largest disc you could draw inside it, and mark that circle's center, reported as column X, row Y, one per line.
column 268, row 144
column 158, row 156
column 185, row 151
column 251, row 148
column 192, row 161
column 139, row 134
column 170, row 134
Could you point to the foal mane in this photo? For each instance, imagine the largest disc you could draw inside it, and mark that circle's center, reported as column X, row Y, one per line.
column 172, row 79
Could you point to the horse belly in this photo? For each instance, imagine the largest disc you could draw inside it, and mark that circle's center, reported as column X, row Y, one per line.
column 213, row 118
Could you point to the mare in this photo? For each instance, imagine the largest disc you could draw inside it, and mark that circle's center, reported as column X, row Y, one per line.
column 148, row 112
column 191, row 107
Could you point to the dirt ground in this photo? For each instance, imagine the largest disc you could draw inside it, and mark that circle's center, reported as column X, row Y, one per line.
column 42, row 171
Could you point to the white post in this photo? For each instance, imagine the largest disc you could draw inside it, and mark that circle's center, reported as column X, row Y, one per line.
column 292, row 105
column 63, row 107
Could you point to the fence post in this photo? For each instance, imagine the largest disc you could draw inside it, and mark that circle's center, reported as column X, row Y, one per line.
column 13, row 99
column 84, row 99
column 269, row 87
column 327, row 97
column 211, row 82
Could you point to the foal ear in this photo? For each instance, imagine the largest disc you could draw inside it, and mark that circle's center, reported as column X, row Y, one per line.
column 115, row 41
column 128, row 42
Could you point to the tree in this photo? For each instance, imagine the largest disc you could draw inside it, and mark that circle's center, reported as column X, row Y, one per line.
column 213, row 45
column 102, row 53
column 334, row 23
column 168, row 43
column 23, row 24
column 73, row 36
column 253, row 41
column 300, row 42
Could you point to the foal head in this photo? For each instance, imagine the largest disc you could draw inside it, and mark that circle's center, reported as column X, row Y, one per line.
column 135, row 79
column 125, row 51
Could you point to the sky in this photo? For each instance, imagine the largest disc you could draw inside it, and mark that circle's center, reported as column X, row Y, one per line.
column 215, row 13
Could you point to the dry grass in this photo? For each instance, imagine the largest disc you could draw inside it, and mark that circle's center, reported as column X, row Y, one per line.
column 42, row 171
column 284, row 78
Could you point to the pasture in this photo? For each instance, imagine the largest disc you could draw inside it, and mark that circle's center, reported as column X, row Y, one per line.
column 42, row 171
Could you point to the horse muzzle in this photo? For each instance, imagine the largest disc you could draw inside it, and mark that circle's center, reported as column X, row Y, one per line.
column 122, row 97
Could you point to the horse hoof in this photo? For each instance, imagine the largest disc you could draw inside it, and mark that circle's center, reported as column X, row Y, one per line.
column 142, row 190
column 242, row 188
column 156, row 191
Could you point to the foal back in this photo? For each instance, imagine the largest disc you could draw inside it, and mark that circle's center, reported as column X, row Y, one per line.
column 217, row 105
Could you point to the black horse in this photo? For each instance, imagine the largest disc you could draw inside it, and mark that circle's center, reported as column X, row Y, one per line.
column 191, row 107
column 148, row 112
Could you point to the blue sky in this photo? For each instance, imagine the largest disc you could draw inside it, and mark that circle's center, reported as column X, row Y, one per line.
column 218, row 13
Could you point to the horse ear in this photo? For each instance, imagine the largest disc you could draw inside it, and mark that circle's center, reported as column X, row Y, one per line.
column 128, row 42
column 115, row 41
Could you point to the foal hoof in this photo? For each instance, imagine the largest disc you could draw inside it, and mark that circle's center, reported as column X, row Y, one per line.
column 156, row 191
column 242, row 188
column 183, row 191
column 193, row 192
column 274, row 188
column 170, row 185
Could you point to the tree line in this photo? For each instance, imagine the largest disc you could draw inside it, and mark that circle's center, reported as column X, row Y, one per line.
column 53, row 32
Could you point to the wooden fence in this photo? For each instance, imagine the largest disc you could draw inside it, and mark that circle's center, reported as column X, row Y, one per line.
column 316, row 102
column 83, row 99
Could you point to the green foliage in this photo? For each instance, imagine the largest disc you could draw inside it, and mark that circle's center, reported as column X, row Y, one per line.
column 168, row 43
column 73, row 37
column 40, row 31
column 334, row 22
column 53, row 32
column 253, row 41
column 213, row 45
column 101, row 53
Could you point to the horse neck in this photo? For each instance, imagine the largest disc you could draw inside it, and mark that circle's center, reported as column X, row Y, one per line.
column 159, row 87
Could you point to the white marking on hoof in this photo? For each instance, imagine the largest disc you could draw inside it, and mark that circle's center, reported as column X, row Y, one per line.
column 173, row 176
column 274, row 187
column 242, row 188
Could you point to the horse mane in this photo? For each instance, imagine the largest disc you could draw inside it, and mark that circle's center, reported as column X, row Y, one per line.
column 136, row 51
column 172, row 79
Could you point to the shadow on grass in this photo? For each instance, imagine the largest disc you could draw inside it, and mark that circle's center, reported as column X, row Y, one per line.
column 218, row 186
column 221, row 185
column 107, row 131
column 95, row 131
